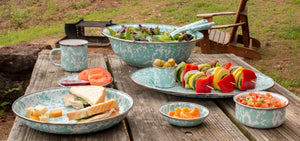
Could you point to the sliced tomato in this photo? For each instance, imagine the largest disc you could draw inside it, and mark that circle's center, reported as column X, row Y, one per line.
column 85, row 73
column 100, row 79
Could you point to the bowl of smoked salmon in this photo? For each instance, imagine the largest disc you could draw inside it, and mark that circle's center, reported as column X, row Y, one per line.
column 183, row 114
column 260, row 109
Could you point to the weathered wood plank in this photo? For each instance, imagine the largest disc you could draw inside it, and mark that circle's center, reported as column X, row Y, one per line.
column 146, row 123
column 290, row 130
column 45, row 76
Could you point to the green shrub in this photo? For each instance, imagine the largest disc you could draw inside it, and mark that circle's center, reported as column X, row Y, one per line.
column 4, row 104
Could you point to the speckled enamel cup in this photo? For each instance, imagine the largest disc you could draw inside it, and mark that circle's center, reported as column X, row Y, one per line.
column 260, row 117
column 164, row 77
column 74, row 54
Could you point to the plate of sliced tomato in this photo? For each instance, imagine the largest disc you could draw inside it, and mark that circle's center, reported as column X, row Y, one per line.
column 144, row 77
column 92, row 76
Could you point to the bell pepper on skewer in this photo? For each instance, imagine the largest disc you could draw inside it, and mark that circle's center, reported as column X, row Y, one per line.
column 204, row 84
column 219, row 74
column 227, row 84
column 228, row 65
column 187, row 68
column 248, row 80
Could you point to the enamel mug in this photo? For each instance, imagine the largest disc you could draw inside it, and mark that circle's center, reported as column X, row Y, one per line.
column 164, row 77
column 74, row 54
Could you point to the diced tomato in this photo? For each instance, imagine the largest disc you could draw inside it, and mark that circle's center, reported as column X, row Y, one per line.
column 228, row 65
column 257, row 104
column 265, row 105
column 278, row 104
column 227, row 84
column 259, row 100
column 243, row 101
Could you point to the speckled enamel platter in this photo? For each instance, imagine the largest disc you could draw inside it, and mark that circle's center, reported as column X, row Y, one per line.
column 75, row 77
column 166, row 108
column 144, row 77
column 53, row 99
column 261, row 117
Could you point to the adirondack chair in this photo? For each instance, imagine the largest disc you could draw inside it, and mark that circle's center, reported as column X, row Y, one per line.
column 240, row 45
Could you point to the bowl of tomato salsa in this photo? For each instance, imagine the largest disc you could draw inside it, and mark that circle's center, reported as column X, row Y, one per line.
column 260, row 109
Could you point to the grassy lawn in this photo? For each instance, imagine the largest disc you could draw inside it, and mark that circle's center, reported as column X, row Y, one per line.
column 274, row 22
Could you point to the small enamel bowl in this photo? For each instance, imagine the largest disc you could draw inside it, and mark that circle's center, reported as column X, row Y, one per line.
column 166, row 108
column 261, row 117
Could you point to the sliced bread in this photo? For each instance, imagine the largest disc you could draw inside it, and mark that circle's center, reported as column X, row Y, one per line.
column 93, row 110
column 91, row 94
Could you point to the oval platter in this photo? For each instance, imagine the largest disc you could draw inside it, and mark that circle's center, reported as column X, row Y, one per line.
column 144, row 77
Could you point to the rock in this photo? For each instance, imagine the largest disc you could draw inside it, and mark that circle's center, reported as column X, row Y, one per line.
column 21, row 57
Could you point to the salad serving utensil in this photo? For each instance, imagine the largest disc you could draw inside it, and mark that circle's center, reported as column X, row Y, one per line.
column 190, row 28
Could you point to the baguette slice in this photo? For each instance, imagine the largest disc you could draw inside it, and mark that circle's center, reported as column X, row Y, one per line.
column 93, row 110
column 91, row 94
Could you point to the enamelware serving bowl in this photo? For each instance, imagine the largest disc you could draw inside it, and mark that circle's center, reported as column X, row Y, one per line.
column 142, row 53
column 166, row 108
column 257, row 117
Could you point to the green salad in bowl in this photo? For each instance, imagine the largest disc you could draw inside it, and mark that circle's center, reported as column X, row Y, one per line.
column 139, row 44
column 149, row 34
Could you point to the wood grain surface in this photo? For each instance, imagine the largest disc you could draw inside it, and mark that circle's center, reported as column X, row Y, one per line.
column 144, row 121
column 45, row 76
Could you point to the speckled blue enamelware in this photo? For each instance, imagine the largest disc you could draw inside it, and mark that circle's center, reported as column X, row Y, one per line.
column 164, row 77
column 144, row 77
column 74, row 54
column 261, row 117
column 54, row 99
column 142, row 54
column 75, row 77
column 166, row 108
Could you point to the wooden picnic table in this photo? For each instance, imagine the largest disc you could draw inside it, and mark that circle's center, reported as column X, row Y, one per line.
column 144, row 122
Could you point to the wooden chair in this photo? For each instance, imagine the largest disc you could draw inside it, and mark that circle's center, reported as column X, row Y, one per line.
column 221, row 41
